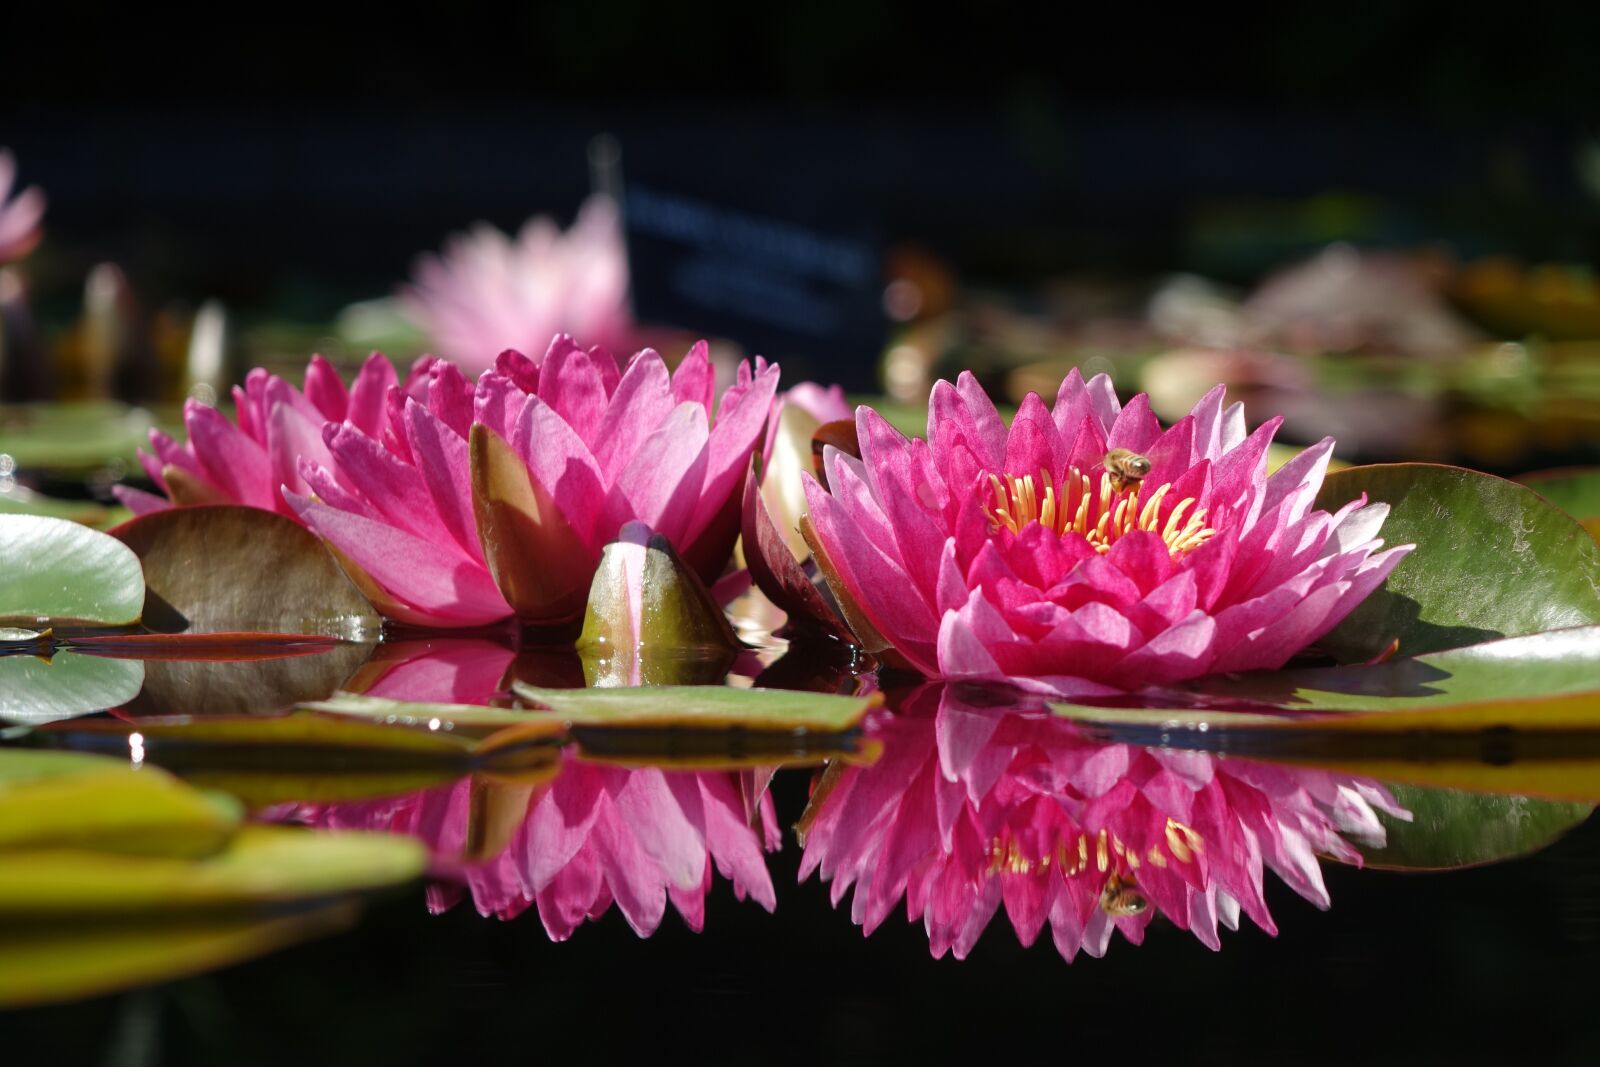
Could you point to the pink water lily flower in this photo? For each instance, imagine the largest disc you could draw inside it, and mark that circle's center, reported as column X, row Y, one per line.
column 278, row 426
column 20, row 215
column 488, row 292
column 989, row 552
column 971, row 809
column 603, row 446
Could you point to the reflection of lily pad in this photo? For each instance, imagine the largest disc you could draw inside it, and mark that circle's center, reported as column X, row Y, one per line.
column 49, row 963
column 702, row 706
column 261, row 865
column 112, row 875
column 1455, row 829
column 36, row 690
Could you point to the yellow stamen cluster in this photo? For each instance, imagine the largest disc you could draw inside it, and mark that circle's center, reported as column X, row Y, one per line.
column 1101, row 852
column 1101, row 518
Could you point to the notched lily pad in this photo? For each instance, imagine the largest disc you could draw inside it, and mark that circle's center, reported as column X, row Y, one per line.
column 1493, row 559
column 63, row 572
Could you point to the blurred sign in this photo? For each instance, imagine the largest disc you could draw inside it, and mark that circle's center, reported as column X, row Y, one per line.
column 784, row 286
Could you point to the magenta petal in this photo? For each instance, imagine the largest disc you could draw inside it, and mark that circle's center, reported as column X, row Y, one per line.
column 395, row 488
column 642, row 401
column 369, row 393
column 454, row 592
column 232, row 462
column 562, row 465
column 661, row 485
column 443, row 460
column 739, row 431
column 138, row 501
column 325, row 390
column 695, row 379
column 570, row 381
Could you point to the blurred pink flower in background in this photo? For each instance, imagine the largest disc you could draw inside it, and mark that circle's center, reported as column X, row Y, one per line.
column 487, row 292
column 603, row 445
column 823, row 403
column 973, row 808
column 592, row 837
column 992, row 553
column 20, row 215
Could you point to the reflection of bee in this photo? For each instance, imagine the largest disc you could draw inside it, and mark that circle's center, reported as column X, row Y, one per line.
column 1122, row 897
column 1126, row 467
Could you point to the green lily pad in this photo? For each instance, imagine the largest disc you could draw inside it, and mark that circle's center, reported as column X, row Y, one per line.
column 1493, row 559
column 35, row 690
column 462, row 719
column 1451, row 829
column 229, row 569
column 64, row 572
column 45, row 964
column 261, row 865
column 56, row 800
column 1512, row 668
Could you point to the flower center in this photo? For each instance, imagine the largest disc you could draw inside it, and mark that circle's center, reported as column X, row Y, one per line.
column 1103, row 852
column 1100, row 518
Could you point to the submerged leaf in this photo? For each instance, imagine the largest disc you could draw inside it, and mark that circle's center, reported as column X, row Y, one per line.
column 36, row 690
column 63, row 572
column 232, row 569
column 1493, row 559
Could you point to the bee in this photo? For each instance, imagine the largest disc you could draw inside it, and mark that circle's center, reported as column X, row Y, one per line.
column 1126, row 468
column 1121, row 897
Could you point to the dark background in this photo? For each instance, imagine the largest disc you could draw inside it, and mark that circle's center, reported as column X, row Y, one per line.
column 292, row 161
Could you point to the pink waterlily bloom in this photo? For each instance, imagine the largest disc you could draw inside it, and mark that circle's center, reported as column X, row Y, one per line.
column 825, row 403
column 488, row 292
column 276, row 427
column 594, row 837
column 604, row 445
column 991, row 552
column 973, row 808
column 20, row 215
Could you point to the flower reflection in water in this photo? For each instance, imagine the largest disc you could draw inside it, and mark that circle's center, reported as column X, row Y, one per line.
column 592, row 837
column 972, row 807
column 572, row 845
